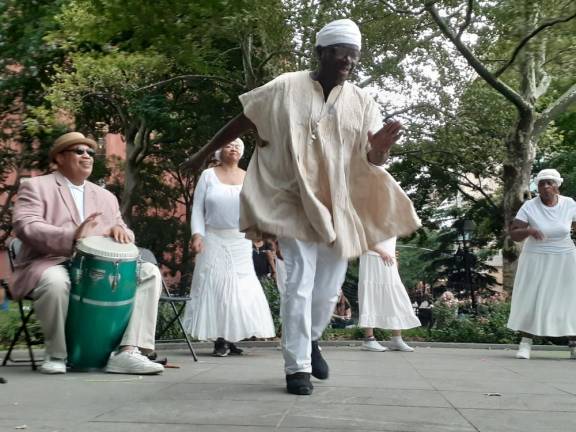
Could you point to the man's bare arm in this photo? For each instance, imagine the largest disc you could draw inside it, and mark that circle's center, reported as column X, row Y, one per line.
column 232, row 130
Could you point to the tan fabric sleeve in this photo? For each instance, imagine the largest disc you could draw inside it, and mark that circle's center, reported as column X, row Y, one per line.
column 372, row 123
column 262, row 106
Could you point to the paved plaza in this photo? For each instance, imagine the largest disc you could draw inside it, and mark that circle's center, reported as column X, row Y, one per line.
column 433, row 389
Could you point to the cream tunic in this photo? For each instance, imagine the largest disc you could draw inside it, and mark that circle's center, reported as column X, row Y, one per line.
column 312, row 180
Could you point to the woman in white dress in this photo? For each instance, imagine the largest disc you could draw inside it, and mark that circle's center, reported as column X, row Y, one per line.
column 227, row 302
column 382, row 298
column 544, row 294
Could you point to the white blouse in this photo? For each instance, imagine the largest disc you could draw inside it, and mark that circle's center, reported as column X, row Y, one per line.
column 215, row 205
column 554, row 222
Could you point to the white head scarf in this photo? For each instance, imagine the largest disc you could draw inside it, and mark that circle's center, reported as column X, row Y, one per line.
column 342, row 31
column 549, row 174
column 238, row 142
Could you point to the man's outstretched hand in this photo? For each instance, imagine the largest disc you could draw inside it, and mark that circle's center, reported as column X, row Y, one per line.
column 386, row 137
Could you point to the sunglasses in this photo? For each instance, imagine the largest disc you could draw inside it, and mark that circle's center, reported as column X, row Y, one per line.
column 81, row 151
column 339, row 51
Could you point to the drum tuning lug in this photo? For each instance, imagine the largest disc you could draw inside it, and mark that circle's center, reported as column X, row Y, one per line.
column 116, row 276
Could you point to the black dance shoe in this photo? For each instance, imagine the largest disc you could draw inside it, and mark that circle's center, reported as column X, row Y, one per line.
column 299, row 384
column 234, row 350
column 320, row 368
column 221, row 348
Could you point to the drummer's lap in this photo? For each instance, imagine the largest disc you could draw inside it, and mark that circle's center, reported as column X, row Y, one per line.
column 148, row 270
column 57, row 278
column 54, row 282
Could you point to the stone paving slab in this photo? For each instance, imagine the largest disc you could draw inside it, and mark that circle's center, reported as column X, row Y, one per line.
column 431, row 389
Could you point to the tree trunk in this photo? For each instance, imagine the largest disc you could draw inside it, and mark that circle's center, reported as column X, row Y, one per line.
column 520, row 151
column 136, row 149
column 130, row 185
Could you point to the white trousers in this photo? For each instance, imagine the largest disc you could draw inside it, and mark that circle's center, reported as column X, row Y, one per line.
column 314, row 275
column 51, row 308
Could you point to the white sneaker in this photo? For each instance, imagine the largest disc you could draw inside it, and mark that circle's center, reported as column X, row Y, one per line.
column 373, row 345
column 53, row 366
column 400, row 345
column 132, row 362
column 524, row 349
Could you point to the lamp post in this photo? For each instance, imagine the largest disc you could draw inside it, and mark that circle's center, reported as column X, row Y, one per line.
column 101, row 131
column 466, row 229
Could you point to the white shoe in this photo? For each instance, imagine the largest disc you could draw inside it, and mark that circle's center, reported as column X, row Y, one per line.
column 524, row 349
column 400, row 345
column 373, row 345
column 53, row 366
column 132, row 362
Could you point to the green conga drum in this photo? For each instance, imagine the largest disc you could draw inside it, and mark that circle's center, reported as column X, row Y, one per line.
column 104, row 276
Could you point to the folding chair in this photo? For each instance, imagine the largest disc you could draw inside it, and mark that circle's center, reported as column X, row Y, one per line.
column 146, row 255
column 25, row 315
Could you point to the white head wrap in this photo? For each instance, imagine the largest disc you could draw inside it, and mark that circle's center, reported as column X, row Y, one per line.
column 549, row 174
column 238, row 142
column 342, row 31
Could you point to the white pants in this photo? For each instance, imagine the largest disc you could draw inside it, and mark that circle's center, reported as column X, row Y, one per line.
column 315, row 274
column 51, row 308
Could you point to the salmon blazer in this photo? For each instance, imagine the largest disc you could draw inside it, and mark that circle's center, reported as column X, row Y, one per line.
column 45, row 218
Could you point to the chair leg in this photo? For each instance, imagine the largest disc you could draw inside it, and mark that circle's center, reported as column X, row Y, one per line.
column 177, row 314
column 188, row 342
column 12, row 345
column 29, row 342
column 175, row 319
column 24, row 318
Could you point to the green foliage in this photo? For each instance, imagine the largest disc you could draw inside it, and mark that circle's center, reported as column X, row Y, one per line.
column 444, row 315
column 489, row 326
column 10, row 323
column 559, row 153
column 273, row 297
column 445, row 264
column 413, row 259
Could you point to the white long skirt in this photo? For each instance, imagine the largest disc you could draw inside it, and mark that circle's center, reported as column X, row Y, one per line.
column 544, row 295
column 382, row 297
column 226, row 296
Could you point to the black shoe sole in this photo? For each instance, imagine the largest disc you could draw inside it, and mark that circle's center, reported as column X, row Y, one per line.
column 300, row 385
column 300, row 391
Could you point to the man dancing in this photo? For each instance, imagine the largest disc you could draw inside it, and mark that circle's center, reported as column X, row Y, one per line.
column 316, row 185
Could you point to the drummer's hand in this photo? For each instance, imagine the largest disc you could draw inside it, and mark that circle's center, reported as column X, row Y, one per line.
column 197, row 244
column 119, row 234
column 88, row 223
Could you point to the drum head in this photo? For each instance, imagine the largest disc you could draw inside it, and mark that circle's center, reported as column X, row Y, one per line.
column 106, row 247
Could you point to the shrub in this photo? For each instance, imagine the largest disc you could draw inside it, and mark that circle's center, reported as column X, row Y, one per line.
column 273, row 296
column 10, row 323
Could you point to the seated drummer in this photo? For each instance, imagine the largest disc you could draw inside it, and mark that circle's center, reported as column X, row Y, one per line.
column 50, row 214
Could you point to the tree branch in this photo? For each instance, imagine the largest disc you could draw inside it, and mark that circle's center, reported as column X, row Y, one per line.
column 480, row 69
column 110, row 100
column 268, row 58
column 402, row 11
column 468, row 20
column 463, row 181
column 164, row 83
column 405, row 110
column 529, row 36
column 555, row 109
